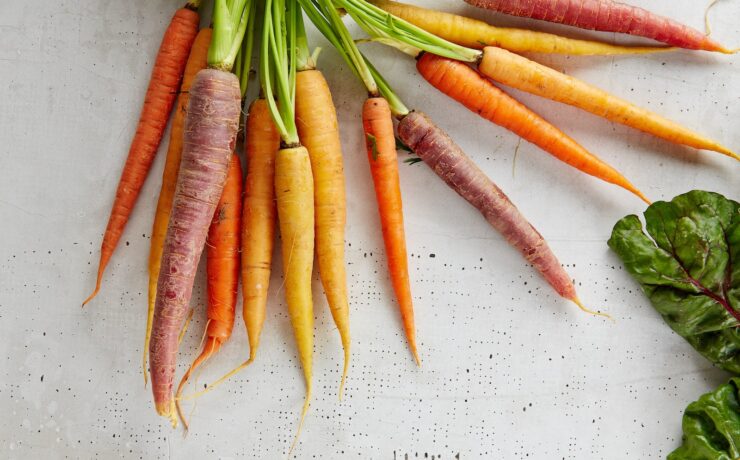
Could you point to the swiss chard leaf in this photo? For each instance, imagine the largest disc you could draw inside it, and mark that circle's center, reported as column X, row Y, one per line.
column 688, row 264
column 711, row 426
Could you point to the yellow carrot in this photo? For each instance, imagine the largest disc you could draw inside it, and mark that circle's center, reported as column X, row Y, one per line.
column 318, row 130
column 294, row 192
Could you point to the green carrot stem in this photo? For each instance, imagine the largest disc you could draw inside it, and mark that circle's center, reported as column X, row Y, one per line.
column 277, row 65
column 304, row 59
column 379, row 23
column 398, row 109
column 238, row 66
column 230, row 19
column 246, row 51
column 349, row 49
column 324, row 16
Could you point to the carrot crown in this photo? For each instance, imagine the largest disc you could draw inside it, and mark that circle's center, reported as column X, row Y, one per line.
column 324, row 16
column 193, row 4
column 230, row 19
column 304, row 59
column 394, row 31
column 278, row 65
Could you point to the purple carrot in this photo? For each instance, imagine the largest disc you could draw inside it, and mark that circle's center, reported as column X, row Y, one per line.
column 210, row 133
column 458, row 171
column 607, row 16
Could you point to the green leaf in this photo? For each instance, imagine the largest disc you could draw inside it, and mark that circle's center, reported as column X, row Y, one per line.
column 711, row 426
column 374, row 144
column 401, row 146
column 688, row 264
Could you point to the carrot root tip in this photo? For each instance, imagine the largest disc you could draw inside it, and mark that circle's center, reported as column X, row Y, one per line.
column 416, row 357
column 144, row 369
column 344, row 373
column 578, row 302
column 304, row 411
column 168, row 409
column 94, row 293
column 644, row 198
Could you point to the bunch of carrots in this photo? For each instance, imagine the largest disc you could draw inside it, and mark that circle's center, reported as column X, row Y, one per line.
column 294, row 161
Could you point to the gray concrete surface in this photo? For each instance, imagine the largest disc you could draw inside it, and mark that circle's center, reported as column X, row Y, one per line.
column 510, row 370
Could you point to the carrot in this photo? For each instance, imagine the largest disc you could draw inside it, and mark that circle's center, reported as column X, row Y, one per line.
column 378, row 126
column 521, row 73
column 606, row 16
column 210, row 134
column 294, row 189
column 478, row 34
column 458, row 171
column 466, row 86
column 449, row 162
column 258, row 223
column 222, row 268
column 318, row 130
column 196, row 62
column 381, row 152
column 295, row 208
column 160, row 96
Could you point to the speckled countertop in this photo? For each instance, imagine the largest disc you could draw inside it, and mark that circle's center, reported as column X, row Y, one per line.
column 510, row 370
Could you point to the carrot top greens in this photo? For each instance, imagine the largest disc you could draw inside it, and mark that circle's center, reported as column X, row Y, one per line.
column 397, row 32
column 230, row 20
column 324, row 16
column 244, row 57
column 278, row 65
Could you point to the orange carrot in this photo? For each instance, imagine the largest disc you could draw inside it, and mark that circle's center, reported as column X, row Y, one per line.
column 222, row 268
column 160, row 96
column 381, row 152
column 258, row 223
column 468, row 87
column 196, row 62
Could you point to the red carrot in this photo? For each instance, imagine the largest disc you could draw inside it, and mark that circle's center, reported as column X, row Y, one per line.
column 211, row 126
column 222, row 269
column 607, row 16
column 458, row 171
column 210, row 135
column 160, row 96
